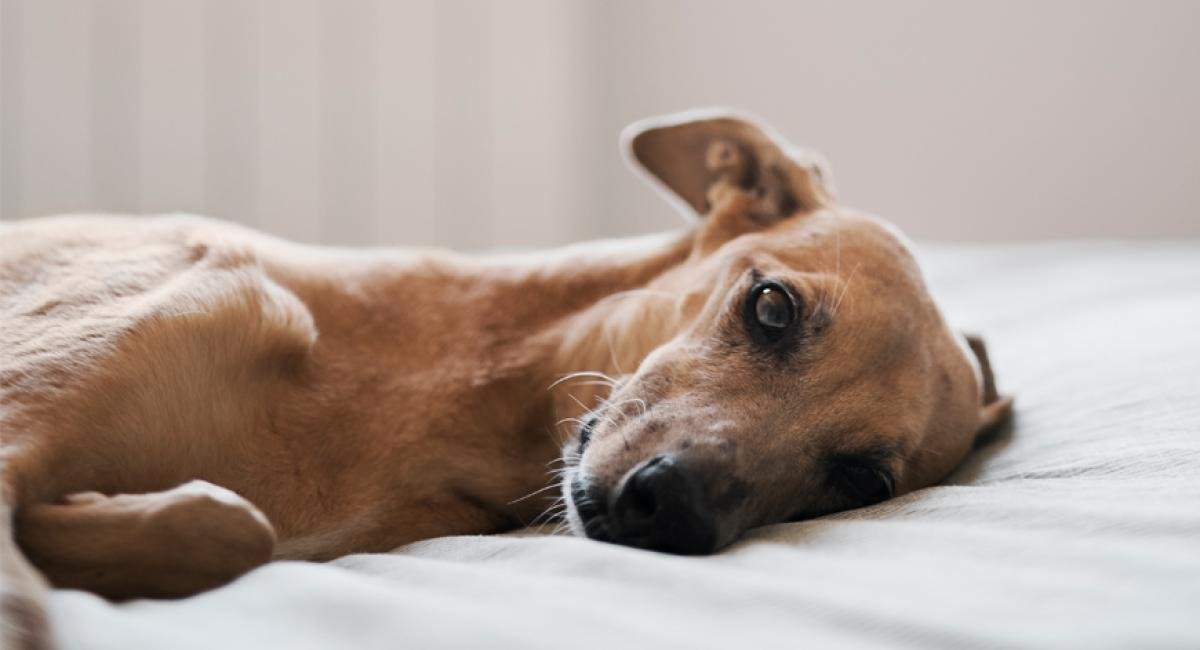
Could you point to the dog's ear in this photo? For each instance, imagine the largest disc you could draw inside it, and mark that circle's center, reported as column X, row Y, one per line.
column 995, row 409
column 686, row 154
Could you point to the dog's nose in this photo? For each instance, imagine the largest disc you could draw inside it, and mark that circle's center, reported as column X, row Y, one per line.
column 662, row 506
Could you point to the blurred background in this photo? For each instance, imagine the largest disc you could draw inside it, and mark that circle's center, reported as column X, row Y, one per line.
column 477, row 124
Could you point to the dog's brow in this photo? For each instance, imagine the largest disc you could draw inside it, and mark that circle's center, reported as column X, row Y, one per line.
column 828, row 295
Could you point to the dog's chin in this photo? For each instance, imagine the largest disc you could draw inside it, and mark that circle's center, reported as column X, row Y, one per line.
column 574, row 523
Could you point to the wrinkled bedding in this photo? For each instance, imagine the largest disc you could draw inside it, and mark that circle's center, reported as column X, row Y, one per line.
column 1080, row 527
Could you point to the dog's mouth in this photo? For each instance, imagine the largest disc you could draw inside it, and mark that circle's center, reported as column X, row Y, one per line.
column 586, row 509
column 586, row 429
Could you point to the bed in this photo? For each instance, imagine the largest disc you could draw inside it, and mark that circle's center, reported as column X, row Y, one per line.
column 1077, row 527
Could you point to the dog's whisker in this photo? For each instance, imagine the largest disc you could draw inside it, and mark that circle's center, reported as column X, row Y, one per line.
column 541, row 518
column 559, row 471
column 593, row 374
column 594, row 383
column 533, row 494
column 555, row 510
column 633, row 400
column 837, row 253
column 845, row 287
column 564, row 459
column 581, row 405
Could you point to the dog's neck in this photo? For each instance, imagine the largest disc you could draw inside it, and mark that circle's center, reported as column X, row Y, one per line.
column 625, row 318
column 476, row 343
column 585, row 314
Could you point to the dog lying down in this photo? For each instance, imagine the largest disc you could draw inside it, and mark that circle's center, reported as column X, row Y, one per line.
column 182, row 399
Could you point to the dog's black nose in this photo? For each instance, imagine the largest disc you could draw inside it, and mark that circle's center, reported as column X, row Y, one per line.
column 662, row 506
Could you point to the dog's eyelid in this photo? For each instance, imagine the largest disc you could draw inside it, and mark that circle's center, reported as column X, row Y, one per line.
column 866, row 479
column 882, row 457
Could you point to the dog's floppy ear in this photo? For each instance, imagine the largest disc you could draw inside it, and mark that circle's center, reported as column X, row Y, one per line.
column 995, row 409
column 685, row 154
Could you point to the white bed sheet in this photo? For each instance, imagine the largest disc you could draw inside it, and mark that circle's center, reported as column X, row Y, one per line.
column 1080, row 528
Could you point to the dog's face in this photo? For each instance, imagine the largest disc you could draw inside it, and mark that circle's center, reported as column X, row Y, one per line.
column 810, row 373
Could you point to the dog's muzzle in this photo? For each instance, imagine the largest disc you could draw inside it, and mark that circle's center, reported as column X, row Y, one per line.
column 659, row 504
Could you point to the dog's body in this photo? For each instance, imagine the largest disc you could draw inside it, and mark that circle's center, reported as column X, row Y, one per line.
column 360, row 401
column 182, row 399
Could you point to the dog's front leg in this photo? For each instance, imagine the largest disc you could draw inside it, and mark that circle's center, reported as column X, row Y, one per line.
column 163, row 544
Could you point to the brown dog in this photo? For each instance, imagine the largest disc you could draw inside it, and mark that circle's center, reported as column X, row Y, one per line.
column 182, row 400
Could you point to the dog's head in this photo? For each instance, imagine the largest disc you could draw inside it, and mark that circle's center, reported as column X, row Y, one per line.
column 810, row 371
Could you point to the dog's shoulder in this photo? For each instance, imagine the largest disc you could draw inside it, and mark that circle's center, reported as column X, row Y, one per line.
column 79, row 292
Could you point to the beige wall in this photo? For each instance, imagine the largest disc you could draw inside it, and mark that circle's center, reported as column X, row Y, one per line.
column 473, row 124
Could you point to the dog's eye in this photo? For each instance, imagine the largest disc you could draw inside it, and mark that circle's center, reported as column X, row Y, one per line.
column 868, row 485
column 771, row 312
column 771, row 307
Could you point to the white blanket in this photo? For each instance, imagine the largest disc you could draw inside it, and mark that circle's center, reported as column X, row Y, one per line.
column 1080, row 528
